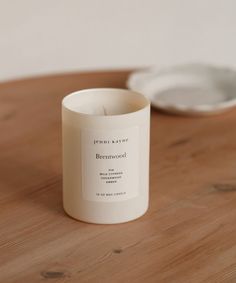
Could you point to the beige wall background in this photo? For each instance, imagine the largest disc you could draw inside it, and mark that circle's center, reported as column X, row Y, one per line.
column 47, row 36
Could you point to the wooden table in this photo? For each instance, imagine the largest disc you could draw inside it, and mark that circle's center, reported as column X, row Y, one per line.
column 188, row 234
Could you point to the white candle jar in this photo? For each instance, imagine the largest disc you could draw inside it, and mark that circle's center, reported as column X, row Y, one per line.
column 105, row 155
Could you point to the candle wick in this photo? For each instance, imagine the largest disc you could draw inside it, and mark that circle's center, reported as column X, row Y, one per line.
column 104, row 110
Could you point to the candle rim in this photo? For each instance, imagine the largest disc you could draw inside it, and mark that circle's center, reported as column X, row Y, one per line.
column 146, row 102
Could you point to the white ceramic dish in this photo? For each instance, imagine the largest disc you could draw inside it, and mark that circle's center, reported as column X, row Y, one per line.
column 195, row 89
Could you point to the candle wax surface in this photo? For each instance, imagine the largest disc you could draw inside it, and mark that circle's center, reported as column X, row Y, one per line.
column 105, row 109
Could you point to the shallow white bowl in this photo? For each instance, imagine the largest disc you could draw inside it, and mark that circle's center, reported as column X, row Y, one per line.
column 195, row 89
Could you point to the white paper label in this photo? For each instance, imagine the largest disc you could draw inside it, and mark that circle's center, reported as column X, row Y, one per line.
column 110, row 164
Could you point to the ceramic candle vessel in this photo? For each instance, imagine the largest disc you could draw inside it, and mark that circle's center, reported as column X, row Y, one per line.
column 105, row 155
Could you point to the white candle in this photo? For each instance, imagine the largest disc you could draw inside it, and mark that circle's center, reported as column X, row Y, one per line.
column 105, row 155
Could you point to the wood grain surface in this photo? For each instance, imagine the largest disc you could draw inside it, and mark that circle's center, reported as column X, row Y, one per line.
column 188, row 234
